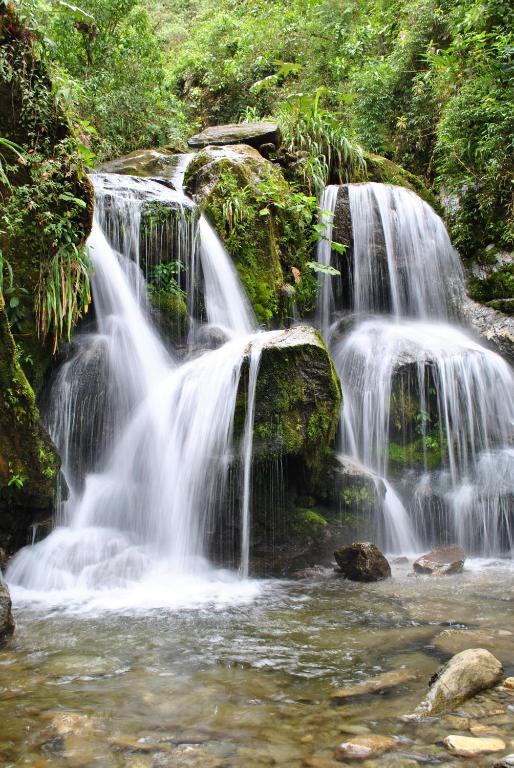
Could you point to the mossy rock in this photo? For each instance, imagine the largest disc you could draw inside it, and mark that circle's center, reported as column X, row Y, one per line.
column 171, row 315
column 265, row 225
column 48, row 202
column 28, row 461
column 298, row 400
column 386, row 171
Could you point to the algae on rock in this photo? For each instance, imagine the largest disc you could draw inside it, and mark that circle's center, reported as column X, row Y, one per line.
column 45, row 216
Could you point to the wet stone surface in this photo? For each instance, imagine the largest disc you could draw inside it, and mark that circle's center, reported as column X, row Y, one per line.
column 251, row 685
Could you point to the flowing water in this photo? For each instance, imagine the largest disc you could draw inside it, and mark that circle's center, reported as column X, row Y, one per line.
column 426, row 407
column 145, row 438
column 248, row 683
column 132, row 649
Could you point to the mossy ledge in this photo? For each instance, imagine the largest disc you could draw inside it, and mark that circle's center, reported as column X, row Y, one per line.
column 45, row 216
column 265, row 224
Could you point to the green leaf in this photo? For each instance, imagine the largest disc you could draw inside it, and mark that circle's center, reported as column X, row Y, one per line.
column 324, row 269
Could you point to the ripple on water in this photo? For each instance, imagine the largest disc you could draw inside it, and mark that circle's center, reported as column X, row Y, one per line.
column 247, row 683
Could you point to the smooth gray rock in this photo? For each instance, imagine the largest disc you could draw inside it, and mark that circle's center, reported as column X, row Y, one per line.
column 254, row 134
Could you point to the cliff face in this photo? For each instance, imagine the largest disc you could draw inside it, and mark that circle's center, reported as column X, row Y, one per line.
column 45, row 216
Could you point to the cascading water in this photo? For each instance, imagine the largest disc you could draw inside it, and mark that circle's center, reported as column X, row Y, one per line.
column 146, row 439
column 426, row 407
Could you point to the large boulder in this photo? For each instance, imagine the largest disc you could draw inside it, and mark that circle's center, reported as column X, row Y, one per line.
column 253, row 134
column 297, row 409
column 466, row 674
column 28, row 461
column 143, row 162
column 441, row 561
column 265, row 225
column 6, row 619
column 362, row 561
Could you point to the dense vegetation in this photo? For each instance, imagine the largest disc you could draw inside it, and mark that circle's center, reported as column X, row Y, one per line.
column 428, row 84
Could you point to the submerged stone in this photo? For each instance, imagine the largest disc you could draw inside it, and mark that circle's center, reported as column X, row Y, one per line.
column 441, row 561
column 362, row 561
column 363, row 747
column 376, row 684
column 466, row 674
column 254, row 134
column 469, row 746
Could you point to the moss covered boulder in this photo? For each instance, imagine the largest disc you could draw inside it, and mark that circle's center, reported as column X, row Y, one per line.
column 265, row 224
column 297, row 409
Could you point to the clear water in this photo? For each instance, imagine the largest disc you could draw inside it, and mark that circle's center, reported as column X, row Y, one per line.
column 246, row 681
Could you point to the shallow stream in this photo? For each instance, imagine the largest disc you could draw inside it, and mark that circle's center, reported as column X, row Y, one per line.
column 246, row 679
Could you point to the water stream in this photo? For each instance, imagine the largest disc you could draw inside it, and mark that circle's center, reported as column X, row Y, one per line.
column 146, row 437
column 132, row 649
column 426, row 406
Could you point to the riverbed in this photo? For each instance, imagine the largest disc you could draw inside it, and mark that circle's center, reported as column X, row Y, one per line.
column 248, row 681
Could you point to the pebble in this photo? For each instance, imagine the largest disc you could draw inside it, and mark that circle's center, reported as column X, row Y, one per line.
column 509, row 683
column 362, row 747
column 470, row 746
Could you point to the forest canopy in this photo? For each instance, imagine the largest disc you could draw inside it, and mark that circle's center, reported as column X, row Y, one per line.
column 425, row 83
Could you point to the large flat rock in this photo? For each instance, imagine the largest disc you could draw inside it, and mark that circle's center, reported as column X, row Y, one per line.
column 254, row 134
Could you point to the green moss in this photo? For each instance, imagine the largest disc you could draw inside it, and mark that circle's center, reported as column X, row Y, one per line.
column 307, row 524
column 265, row 224
column 28, row 462
column 386, row 171
column 427, row 449
column 175, row 317
column 497, row 286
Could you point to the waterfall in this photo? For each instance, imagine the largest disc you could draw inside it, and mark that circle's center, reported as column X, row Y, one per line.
column 403, row 260
column 426, row 407
column 326, row 304
column 145, row 437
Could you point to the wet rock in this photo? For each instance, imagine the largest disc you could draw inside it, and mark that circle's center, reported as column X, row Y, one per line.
column 508, row 683
column 505, row 762
column 496, row 328
column 363, row 747
column 401, row 561
column 376, row 684
column 254, row 134
column 211, row 337
column 316, row 572
column 362, row 561
column 393, row 762
column 441, row 561
column 453, row 641
column 142, row 162
column 3, row 558
column 465, row 675
column 6, row 619
column 469, row 746
column 320, row 762
column 457, row 723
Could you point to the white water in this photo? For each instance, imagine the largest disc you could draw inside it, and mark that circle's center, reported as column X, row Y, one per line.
column 463, row 394
column 403, row 260
column 139, row 515
column 326, row 304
